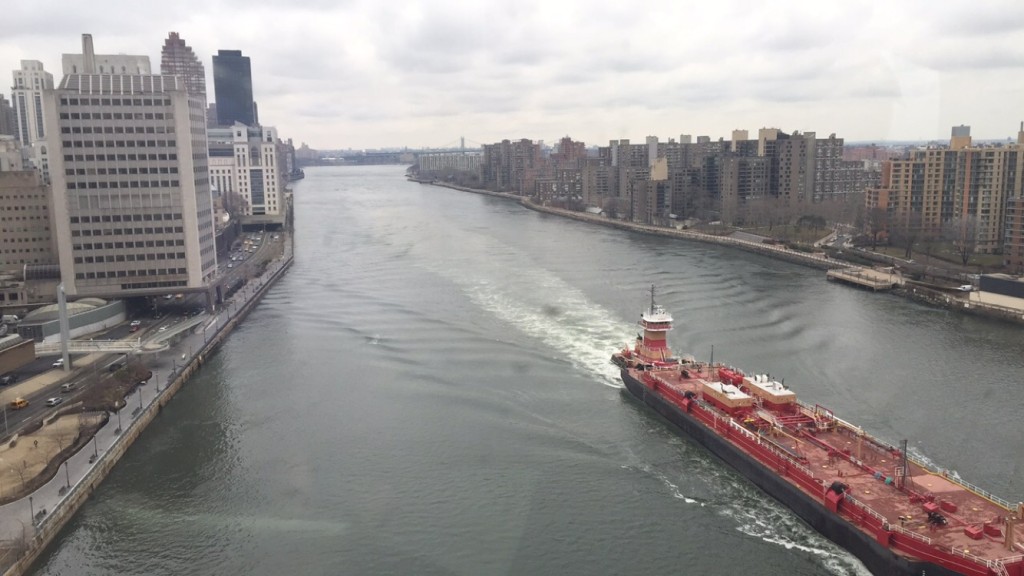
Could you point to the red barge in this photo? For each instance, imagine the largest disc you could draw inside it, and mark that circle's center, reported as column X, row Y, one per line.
column 893, row 512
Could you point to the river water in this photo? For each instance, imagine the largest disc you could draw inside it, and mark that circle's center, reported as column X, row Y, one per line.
column 428, row 391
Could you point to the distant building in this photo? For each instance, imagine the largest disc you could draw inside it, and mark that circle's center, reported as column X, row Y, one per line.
column 27, row 96
column 178, row 59
column 12, row 158
column 442, row 161
column 232, row 86
column 132, row 209
column 8, row 122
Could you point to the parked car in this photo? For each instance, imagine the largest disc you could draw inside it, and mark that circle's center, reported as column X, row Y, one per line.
column 54, row 401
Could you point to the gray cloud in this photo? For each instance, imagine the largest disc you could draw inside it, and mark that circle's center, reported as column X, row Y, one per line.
column 362, row 73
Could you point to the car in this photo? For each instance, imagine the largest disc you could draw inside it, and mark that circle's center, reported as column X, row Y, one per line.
column 136, row 323
column 18, row 403
column 68, row 387
column 162, row 329
column 231, row 265
column 54, row 401
column 966, row 288
column 59, row 363
column 8, row 379
column 116, row 366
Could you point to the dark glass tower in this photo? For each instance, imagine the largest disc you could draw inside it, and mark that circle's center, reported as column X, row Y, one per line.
column 232, row 87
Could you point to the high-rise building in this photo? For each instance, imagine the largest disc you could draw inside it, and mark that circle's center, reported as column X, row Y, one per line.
column 965, row 187
column 178, row 59
column 232, row 86
column 27, row 96
column 132, row 212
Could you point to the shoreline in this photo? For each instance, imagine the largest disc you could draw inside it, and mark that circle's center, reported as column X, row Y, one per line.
column 102, row 460
column 915, row 293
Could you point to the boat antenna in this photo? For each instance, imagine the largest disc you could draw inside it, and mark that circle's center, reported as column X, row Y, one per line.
column 712, row 354
column 652, row 299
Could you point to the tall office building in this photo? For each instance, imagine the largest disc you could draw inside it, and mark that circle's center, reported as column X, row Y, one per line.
column 232, row 86
column 132, row 212
column 178, row 59
column 27, row 96
column 25, row 208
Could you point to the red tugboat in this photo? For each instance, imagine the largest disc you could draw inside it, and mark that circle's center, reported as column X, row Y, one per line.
column 897, row 515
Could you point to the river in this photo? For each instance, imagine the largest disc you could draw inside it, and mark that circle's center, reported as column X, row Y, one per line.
column 428, row 391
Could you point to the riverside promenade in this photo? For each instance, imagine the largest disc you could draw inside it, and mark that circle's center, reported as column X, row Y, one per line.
column 28, row 525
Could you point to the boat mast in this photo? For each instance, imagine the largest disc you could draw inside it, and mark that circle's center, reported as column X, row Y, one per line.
column 652, row 299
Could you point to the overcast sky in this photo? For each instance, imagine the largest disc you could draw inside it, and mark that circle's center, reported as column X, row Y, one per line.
column 367, row 74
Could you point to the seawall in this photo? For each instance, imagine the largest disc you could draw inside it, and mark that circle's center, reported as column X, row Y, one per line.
column 51, row 525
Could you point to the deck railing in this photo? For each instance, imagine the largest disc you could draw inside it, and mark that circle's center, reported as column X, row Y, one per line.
column 965, row 484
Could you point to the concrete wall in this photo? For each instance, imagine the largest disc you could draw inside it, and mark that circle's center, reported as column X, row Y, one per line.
column 17, row 356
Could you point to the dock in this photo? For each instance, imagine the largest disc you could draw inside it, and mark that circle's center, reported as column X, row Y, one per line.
column 866, row 278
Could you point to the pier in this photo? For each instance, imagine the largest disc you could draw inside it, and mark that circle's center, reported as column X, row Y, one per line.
column 874, row 280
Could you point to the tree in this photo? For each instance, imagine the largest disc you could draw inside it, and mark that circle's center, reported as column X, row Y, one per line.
column 877, row 220
column 963, row 232
column 905, row 231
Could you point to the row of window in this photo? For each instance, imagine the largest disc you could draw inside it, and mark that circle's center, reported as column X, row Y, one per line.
column 128, row 257
column 117, row 157
column 117, row 130
column 115, row 116
column 165, row 284
column 121, row 245
column 119, row 143
column 133, row 170
column 129, row 273
column 127, row 231
column 116, row 184
column 66, row 101
column 126, row 217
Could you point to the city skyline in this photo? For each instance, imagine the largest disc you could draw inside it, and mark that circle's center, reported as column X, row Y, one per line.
column 370, row 75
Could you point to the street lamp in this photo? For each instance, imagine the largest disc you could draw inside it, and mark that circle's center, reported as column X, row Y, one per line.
column 31, row 511
column 67, row 475
column 118, row 431
column 95, row 448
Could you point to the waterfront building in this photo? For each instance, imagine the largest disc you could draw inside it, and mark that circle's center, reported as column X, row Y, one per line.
column 232, row 87
column 450, row 161
column 132, row 210
column 960, row 186
column 178, row 59
column 247, row 166
column 1013, row 242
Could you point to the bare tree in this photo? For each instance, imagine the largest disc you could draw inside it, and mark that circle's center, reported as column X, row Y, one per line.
column 877, row 221
column 905, row 231
column 963, row 232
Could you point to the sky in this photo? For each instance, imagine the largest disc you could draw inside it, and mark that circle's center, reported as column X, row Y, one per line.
column 361, row 74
